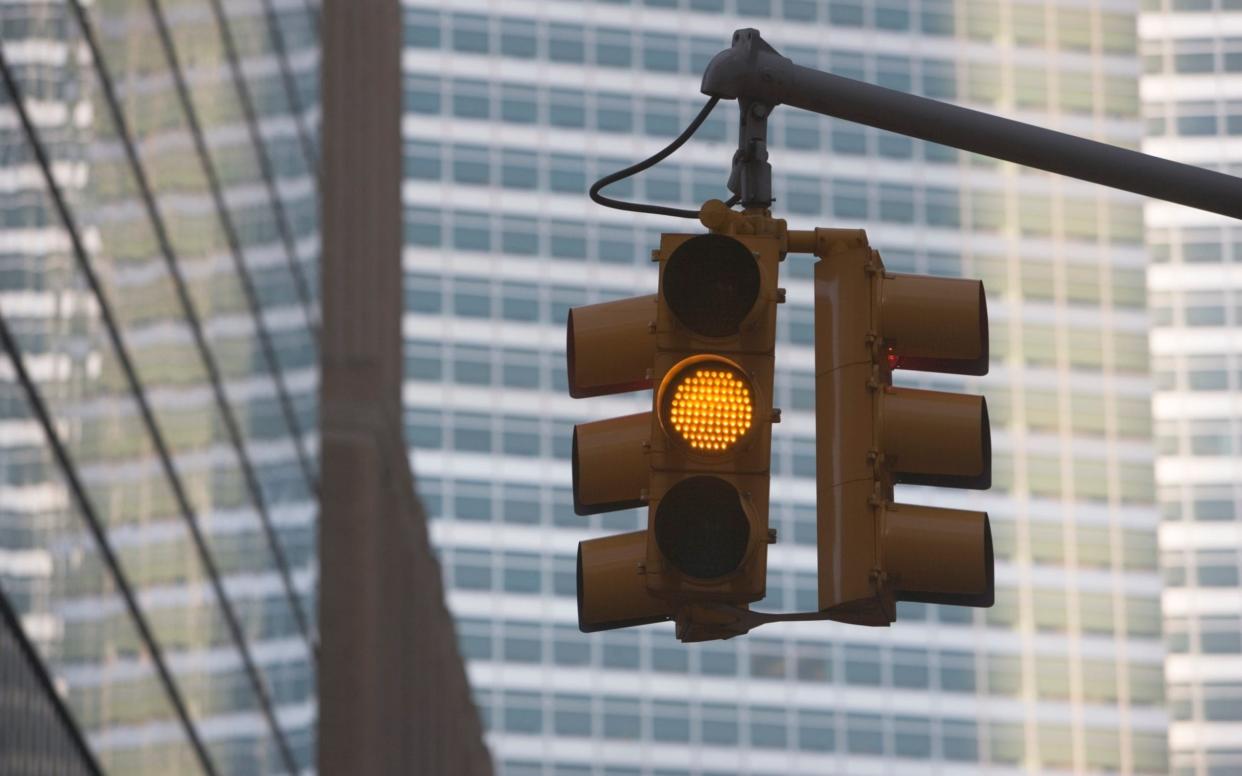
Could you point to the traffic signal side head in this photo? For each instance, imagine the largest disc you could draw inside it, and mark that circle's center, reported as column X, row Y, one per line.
column 871, row 435
column 609, row 349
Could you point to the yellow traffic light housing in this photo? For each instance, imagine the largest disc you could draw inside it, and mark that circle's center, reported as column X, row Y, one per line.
column 700, row 459
column 871, row 434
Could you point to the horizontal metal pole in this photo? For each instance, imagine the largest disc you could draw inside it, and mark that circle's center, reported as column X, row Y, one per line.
column 752, row 69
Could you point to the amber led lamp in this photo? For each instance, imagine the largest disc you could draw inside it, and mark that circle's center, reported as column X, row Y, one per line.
column 707, row 405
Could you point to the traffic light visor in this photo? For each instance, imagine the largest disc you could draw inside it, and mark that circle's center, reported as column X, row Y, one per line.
column 934, row 324
column 937, row 438
column 711, row 283
column 610, row 463
column 612, row 592
column 939, row 556
column 609, row 346
column 707, row 404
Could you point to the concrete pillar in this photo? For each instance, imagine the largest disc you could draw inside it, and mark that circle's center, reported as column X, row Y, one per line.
column 393, row 693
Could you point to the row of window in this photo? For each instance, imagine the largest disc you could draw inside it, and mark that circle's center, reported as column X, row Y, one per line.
column 617, row 113
column 1195, row 245
column 464, row 364
column 555, row 575
column 1195, row 308
column 1206, row 437
column 757, row 658
column 932, row 17
column 1206, row 634
column 1202, row 568
column 1207, row 503
column 1068, row 27
column 622, row 244
column 1193, row 55
column 853, row 201
column 1076, row 282
column 1206, row 702
column 485, row 298
column 847, row 199
column 620, row 47
column 1031, row 87
column 678, row 184
column 1194, row 120
column 520, row 368
column 1195, row 373
column 542, row 437
column 628, row 113
column 23, row 20
column 1072, row 28
column 630, row 244
column 1191, row 6
column 1198, row 762
column 537, row 437
column 1094, row 546
column 290, row 683
column 187, row 423
column 849, row 733
column 515, row 102
column 711, row 724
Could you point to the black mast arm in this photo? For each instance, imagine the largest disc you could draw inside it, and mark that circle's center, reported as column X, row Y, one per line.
column 751, row 71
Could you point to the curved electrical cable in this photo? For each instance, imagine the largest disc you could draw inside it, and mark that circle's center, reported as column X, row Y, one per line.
column 643, row 207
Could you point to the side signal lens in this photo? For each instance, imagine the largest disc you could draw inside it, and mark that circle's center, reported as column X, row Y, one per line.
column 708, row 404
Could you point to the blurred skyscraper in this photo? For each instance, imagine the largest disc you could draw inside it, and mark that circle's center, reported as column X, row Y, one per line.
column 158, row 315
column 1192, row 101
column 512, row 110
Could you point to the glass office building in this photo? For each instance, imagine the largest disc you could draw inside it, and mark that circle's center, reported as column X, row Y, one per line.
column 158, row 375
column 512, row 110
column 1192, row 102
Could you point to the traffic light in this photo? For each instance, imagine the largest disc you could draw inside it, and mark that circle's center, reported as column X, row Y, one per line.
column 699, row 459
column 871, row 435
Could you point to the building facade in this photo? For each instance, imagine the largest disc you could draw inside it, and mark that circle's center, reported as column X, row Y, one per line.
column 1192, row 103
column 512, row 110
column 159, row 316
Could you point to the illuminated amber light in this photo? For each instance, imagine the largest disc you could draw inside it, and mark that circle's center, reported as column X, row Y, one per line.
column 711, row 409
